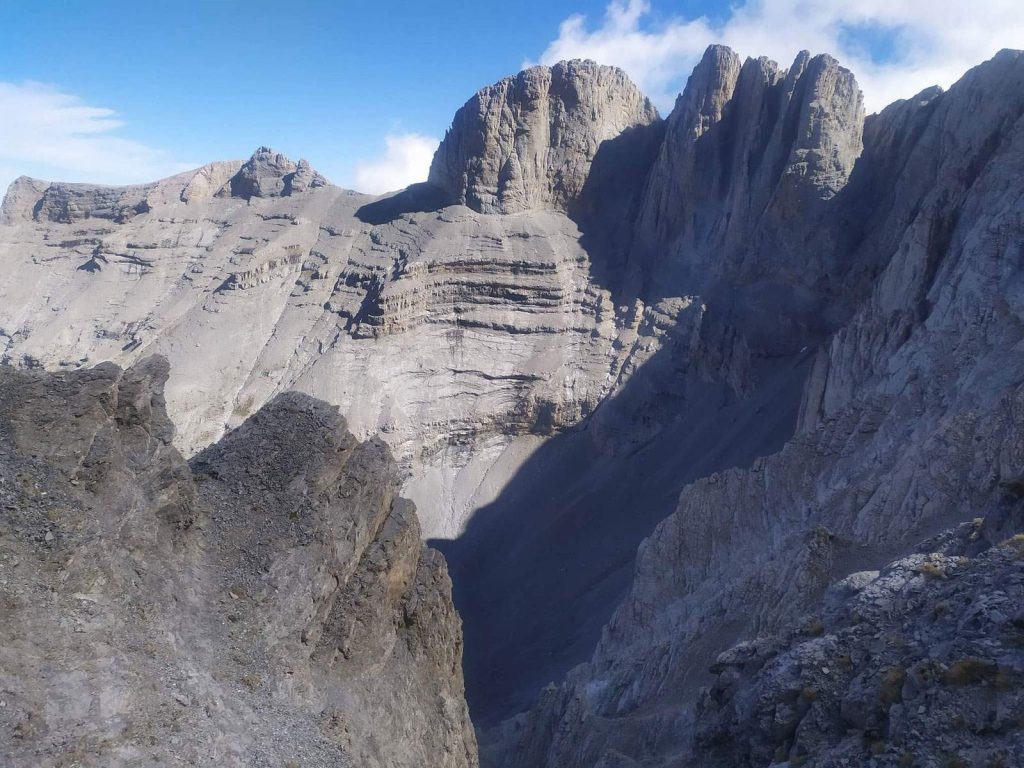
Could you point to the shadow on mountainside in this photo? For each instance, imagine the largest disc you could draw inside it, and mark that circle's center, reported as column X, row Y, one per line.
column 538, row 572
column 605, row 211
column 609, row 204
column 417, row 198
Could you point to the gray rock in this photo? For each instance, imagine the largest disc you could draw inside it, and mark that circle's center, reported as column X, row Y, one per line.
column 527, row 142
column 270, row 174
column 885, row 691
column 21, row 199
column 752, row 156
column 208, row 181
column 912, row 428
column 276, row 595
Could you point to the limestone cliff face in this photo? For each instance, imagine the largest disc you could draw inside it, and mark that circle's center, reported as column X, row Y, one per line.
column 273, row 603
column 462, row 338
column 912, row 428
column 527, row 142
column 751, row 157
column 586, row 309
column 724, row 254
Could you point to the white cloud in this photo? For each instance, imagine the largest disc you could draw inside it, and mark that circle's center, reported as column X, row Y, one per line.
column 47, row 133
column 655, row 59
column 406, row 160
column 933, row 43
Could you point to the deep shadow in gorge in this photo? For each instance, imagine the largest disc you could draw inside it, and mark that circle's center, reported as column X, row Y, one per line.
column 538, row 572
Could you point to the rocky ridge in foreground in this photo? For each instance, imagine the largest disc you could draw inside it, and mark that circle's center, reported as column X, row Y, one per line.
column 272, row 605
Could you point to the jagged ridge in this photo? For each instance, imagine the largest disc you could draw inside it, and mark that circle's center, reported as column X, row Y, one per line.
column 273, row 602
column 912, row 425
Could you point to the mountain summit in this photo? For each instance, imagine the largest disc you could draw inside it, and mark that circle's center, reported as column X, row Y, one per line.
column 527, row 142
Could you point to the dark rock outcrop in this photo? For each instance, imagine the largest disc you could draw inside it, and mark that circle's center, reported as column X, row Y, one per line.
column 273, row 603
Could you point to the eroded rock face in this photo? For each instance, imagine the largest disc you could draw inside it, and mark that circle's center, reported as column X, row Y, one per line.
column 527, row 142
column 21, row 199
column 749, row 165
column 273, row 603
column 751, row 158
column 208, row 181
column 71, row 203
column 270, row 174
column 462, row 338
column 917, row 664
column 912, row 425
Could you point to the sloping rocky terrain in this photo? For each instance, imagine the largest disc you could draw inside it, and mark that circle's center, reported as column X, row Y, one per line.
column 270, row 605
column 457, row 337
column 777, row 344
column 911, row 426
column 916, row 665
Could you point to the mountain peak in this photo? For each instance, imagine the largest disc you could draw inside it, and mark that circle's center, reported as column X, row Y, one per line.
column 527, row 141
column 271, row 174
column 21, row 198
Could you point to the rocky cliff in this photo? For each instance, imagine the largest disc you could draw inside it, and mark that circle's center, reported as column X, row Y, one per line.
column 528, row 142
column 270, row 605
column 911, row 433
column 461, row 338
column 752, row 157
column 745, row 171
column 774, row 343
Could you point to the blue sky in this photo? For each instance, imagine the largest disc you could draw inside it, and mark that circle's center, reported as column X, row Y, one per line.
column 325, row 80
column 120, row 91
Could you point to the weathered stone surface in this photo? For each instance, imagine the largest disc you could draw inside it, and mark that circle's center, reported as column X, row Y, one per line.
column 560, row 353
column 918, row 665
column 527, row 142
column 752, row 156
column 270, row 174
column 273, row 604
column 462, row 338
column 209, row 180
column 913, row 424
column 21, row 199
